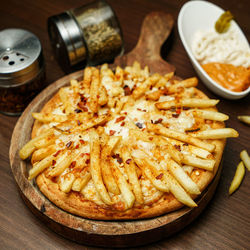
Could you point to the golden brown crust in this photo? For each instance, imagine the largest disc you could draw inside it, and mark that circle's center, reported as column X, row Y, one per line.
column 75, row 203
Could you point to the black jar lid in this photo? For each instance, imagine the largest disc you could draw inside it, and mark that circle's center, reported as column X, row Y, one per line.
column 66, row 39
column 21, row 57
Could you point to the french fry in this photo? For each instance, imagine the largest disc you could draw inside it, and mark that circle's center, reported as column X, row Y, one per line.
column 61, row 164
column 40, row 166
column 132, row 175
column 29, row 147
column 41, row 153
column 219, row 133
column 87, row 77
column 187, row 83
column 46, row 118
column 65, row 100
column 75, row 86
column 192, row 103
column 164, row 80
column 141, row 89
column 245, row 158
column 144, row 136
column 45, row 142
column 66, row 182
column 180, row 193
column 209, row 115
column 202, row 153
column 95, row 167
column 124, row 187
column 94, row 90
column 119, row 74
column 80, row 183
column 154, row 96
column 149, row 169
column 206, row 164
column 244, row 118
column 103, row 99
column 94, row 122
column 158, row 129
column 180, row 175
column 238, row 177
column 107, row 176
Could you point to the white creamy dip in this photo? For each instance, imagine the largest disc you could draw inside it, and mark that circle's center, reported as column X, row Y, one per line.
column 209, row 46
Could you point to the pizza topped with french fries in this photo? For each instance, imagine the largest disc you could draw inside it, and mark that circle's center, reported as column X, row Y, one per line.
column 126, row 144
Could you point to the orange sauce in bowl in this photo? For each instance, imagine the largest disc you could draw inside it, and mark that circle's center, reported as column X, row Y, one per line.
column 234, row 78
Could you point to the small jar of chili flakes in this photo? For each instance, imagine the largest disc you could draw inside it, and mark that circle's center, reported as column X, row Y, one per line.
column 22, row 70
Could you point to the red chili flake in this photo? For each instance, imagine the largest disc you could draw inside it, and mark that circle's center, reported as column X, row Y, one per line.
column 87, row 154
column 87, row 161
column 127, row 90
column 78, row 110
column 185, row 144
column 119, row 119
column 159, row 176
column 112, row 132
column 192, row 130
column 118, row 158
column 158, row 121
column 151, row 87
column 81, row 141
column 82, row 154
column 128, row 161
column 175, row 115
column 57, row 153
column 173, row 109
column 72, row 165
column 68, row 144
column 85, row 109
column 152, row 121
column 98, row 96
column 143, row 129
column 78, row 123
column 53, row 162
column 77, row 146
column 125, row 113
column 139, row 125
column 178, row 147
column 185, row 108
column 178, row 111
column 122, row 124
column 139, row 109
column 95, row 115
column 151, row 138
column 83, row 98
column 144, row 110
column 82, row 106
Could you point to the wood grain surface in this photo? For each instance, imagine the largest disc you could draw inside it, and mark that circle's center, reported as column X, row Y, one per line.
column 224, row 224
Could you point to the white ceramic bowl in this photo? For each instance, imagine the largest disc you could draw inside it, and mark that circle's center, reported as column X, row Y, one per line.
column 202, row 15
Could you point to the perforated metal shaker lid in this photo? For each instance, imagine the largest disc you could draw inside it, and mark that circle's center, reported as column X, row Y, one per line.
column 21, row 57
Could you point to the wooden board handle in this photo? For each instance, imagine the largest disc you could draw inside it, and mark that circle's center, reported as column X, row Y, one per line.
column 155, row 30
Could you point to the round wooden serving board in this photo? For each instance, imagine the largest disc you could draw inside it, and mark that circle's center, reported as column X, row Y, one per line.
column 155, row 30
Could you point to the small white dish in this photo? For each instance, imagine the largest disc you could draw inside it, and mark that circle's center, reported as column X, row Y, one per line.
column 202, row 15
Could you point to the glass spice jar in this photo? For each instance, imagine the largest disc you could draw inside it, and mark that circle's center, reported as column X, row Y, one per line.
column 88, row 35
column 22, row 70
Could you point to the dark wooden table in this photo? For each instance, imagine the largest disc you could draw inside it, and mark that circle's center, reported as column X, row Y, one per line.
column 224, row 224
